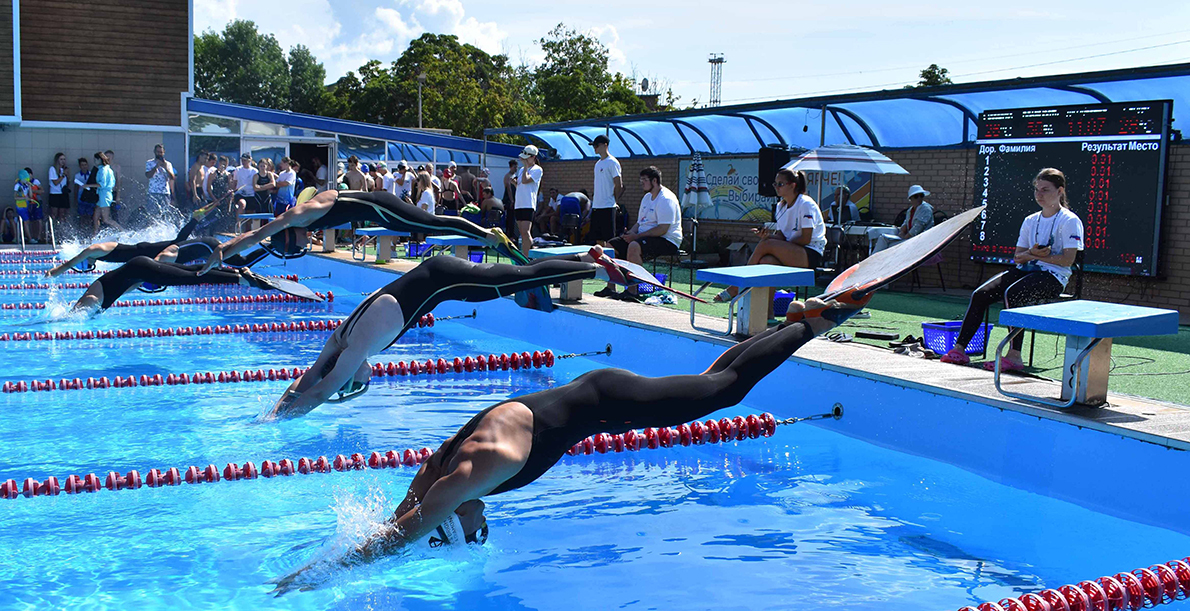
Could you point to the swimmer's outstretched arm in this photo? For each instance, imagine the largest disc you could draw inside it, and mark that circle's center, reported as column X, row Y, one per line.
column 309, row 391
column 93, row 251
column 298, row 216
column 470, row 480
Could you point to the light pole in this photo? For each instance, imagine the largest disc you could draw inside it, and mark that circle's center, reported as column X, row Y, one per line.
column 421, row 80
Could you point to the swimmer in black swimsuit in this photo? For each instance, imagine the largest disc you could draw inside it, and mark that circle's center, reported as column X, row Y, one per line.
column 376, row 324
column 114, row 252
column 334, row 208
column 513, row 443
column 142, row 270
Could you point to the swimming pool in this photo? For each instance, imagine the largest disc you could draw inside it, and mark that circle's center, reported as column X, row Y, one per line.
column 913, row 500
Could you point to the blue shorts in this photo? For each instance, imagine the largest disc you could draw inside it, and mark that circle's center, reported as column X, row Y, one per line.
column 32, row 212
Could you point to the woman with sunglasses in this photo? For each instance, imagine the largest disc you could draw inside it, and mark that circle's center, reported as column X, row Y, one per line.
column 800, row 234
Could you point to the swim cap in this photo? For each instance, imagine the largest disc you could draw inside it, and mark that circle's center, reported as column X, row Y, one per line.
column 305, row 195
column 451, row 531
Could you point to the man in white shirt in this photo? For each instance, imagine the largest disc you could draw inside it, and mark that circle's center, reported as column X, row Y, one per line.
column 320, row 175
column 161, row 177
column 609, row 186
column 657, row 232
column 243, row 182
column 403, row 181
column 528, row 183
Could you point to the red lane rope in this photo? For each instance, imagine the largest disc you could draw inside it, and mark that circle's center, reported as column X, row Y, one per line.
column 329, row 296
column 694, row 433
column 276, row 327
column 1158, row 584
column 33, row 286
column 491, row 362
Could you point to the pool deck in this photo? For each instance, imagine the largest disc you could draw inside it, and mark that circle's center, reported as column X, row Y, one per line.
column 1149, row 420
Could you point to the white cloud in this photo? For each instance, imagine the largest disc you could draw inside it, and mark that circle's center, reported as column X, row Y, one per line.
column 610, row 37
column 345, row 34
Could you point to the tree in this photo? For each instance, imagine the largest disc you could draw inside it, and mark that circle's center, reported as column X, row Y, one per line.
column 934, row 77
column 307, row 92
column 241, row 65
column 574, row 83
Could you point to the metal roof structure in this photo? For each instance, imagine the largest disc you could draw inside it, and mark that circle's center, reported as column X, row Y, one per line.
column 351, row 128
column 927, row 117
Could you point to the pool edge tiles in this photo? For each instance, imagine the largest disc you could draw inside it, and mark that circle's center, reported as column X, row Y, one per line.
column 1065, row 457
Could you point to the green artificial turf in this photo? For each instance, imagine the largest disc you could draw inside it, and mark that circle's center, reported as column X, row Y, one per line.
column 1156, row 367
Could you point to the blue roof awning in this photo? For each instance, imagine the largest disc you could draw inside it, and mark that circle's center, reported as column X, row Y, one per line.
column 928, row 117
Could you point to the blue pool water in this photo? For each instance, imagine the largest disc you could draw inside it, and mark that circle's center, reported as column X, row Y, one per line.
column 854, row 514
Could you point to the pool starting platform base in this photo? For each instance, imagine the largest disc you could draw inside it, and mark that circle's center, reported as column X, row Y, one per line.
column 1089, row 327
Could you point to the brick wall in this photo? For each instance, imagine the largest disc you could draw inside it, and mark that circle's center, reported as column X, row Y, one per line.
column 948, row 175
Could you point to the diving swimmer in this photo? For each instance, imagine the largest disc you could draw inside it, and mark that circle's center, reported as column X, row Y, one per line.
column 342, row 368
column 333, row 208
column 106, row 289
column 115, row 252
column 511, row 444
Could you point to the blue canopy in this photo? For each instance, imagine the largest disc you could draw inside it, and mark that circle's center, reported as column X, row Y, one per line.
column 926, row 117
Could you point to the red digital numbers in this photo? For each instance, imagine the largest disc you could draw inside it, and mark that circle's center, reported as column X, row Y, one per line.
column 1098, row 201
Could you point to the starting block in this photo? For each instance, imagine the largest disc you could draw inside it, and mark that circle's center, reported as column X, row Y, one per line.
column 1089, row 327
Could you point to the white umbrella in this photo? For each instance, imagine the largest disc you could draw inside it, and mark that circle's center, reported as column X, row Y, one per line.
column 696, row 195
column 845, row 158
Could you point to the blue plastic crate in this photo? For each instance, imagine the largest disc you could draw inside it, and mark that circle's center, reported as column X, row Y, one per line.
column 645, row 289
column 940, row 336
column 781, row 301
column 476, row 256
column 416, row 249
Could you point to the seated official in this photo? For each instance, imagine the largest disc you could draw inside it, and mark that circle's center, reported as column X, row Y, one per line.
column 545, row 219
column 800, row 234
column 657, row 232
column 1045, row 250
column 918, row 218
column 849, row 212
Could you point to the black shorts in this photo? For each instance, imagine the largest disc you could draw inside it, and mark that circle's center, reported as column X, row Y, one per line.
column 59, row 200
column 523, row 214
column 603, row 224
column 814, row 257
column 650, row 247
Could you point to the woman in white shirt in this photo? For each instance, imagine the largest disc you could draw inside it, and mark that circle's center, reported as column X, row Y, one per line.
column 1046, row 248
column 800, row 234
column 425, row 192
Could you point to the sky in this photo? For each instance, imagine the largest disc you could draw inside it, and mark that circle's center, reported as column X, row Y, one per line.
column 774, row 50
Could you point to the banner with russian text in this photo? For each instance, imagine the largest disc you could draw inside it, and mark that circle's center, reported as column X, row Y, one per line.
column 734, row 189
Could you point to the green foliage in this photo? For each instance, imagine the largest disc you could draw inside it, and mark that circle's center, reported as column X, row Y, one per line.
column 933, row 76
column 306, row 77
column 241, row 65
column 466, row 90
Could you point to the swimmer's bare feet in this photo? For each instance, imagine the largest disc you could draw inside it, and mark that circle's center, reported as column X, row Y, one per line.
column 831, row 312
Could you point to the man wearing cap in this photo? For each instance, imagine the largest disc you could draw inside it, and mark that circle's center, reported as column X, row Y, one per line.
column 528, row 183
column 918, row 218
column 402, row 182
column 609, row 186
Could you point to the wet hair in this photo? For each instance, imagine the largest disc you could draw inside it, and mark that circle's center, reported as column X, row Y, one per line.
column 797, row 178
column 652, row 172
column 101, row 158
column 1055, row 177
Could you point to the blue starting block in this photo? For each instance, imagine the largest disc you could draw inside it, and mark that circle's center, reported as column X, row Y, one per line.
column 1089, row 327
column 382, row 238
column 460, row 245
column 263, row 217
column 750, row 307
column 573, row 290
